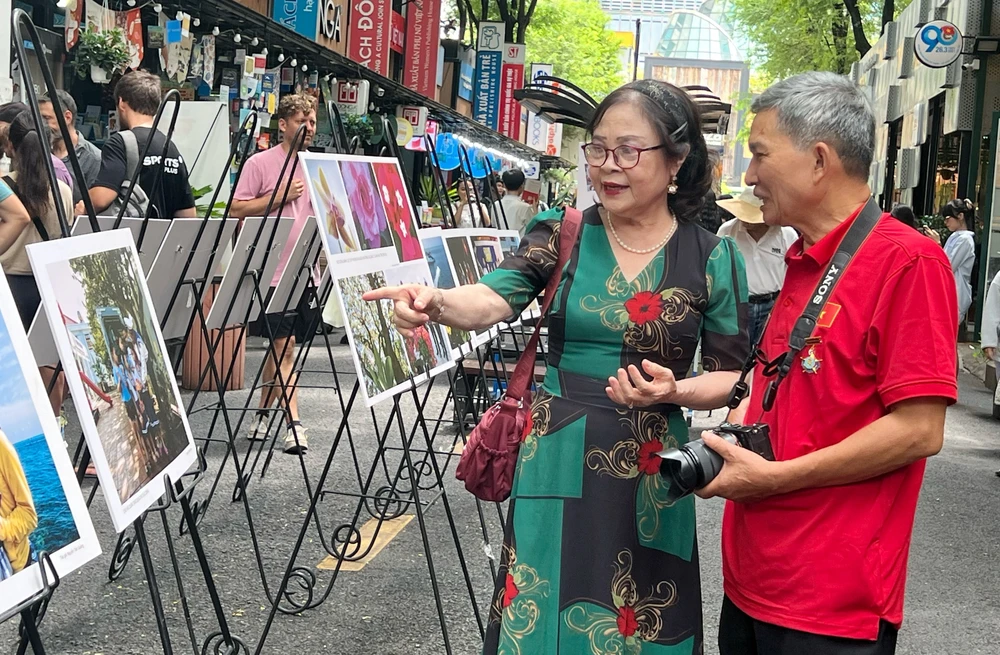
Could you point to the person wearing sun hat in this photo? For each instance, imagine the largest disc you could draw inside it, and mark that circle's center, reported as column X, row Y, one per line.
column 763, row 249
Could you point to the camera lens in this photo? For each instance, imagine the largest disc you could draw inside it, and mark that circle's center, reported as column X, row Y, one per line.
column 680, row 471
column 690, row 467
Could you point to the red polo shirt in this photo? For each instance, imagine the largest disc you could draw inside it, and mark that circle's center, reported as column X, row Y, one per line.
column 832, row 560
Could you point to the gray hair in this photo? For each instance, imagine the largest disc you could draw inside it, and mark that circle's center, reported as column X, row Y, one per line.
column 66, row 101
column 825, row 107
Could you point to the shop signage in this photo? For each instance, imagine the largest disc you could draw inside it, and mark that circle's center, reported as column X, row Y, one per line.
column 331, row 28
column 415, row 116
column 489, row 62
column 543, row 136
column 397, row 33
column 419, row 143
column 938, row 44
column 512, row 79
column 368, row 36
column 422, row 38
column 300, row 16
column 352, row 97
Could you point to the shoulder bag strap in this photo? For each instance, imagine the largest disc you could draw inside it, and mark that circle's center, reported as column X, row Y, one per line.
column 42, row 232
column 569, row 230
column 131, row 153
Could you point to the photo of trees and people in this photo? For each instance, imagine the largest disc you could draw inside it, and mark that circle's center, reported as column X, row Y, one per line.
column 379, row 350
column 118, row 353
column 33, row 506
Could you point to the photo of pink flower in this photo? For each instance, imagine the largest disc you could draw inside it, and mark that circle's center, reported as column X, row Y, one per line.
column 398, row 211
column 363, row 196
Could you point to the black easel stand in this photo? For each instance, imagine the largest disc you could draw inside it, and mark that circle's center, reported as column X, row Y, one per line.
column 32, row 609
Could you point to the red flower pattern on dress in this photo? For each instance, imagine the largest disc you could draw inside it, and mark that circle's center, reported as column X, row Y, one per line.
column 648, row 462
column 510, row 591
column 644, row 307
column 528, row 425
column 627, row 623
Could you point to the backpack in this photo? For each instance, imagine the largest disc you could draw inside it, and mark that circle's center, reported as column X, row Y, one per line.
column 138, row 201
column 42, row 232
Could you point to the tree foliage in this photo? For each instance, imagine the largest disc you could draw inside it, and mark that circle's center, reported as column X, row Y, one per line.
column 572, row 35
column 792, row 36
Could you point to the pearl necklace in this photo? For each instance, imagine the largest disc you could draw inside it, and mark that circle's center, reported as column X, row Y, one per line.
column 636, row 251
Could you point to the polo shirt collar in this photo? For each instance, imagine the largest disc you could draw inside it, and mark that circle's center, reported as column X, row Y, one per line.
column 823, row 250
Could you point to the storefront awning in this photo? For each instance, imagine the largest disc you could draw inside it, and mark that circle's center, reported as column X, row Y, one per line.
column 230, row 15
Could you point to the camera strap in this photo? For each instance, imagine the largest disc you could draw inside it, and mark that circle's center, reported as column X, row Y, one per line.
column 780, row 367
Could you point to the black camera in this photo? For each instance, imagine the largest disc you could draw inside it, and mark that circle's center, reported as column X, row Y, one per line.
column 694, row 465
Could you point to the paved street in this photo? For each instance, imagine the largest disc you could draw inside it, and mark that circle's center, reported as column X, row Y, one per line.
column 953, row 604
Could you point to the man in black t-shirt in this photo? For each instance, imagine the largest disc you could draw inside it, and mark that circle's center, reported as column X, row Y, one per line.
column 137, row 96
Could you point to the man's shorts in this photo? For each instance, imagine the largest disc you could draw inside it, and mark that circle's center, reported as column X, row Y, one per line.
column 302, row 321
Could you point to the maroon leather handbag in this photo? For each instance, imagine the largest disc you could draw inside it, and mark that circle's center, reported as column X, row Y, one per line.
column 490, row 456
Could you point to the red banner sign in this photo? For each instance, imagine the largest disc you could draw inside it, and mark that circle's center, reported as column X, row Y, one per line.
column 422, row 41
column 369, row 35
column 511, row 79
column 398, row 32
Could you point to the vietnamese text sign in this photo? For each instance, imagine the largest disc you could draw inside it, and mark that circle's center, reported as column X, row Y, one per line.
column 397, row 33
column 512, row 79
column 301, row 16
column 368, row 37
column 422, row 38
column 489, row 61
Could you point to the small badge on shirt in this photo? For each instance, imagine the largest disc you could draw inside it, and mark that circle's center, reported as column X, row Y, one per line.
column 828, row 315
column 811, row 363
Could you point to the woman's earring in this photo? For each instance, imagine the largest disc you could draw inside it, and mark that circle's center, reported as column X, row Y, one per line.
column 672, row 187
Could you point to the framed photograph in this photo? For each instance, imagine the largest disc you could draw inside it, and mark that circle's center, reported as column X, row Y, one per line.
column 398, row 210
column 487, row 252
column 443, row 277
column 428, row 350
column 460, row 251
column 331, row 203
column 379, row 351
column 362, row 204
column 366, row 204
column 40, row 500
column 108, row 338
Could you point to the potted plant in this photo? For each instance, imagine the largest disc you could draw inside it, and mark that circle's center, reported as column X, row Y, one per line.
column 358, row 126
column 102, row 54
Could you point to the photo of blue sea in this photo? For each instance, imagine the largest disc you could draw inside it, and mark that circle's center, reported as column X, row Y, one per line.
column 441, row 275
column 19, row 421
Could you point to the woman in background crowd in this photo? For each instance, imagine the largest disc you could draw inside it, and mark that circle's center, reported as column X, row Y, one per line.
column 961, row 249
column 469, row 213
column 29, row 180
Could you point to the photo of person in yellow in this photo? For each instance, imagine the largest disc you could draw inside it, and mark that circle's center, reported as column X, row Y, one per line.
column 18, row 518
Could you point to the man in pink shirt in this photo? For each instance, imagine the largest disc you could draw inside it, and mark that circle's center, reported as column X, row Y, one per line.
column 259, row 178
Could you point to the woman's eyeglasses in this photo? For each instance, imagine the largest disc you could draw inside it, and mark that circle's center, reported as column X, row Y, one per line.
column 625, row 156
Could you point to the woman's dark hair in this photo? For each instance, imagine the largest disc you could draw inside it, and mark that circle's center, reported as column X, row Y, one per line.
column 33, row 188
column 711, row 216
column 904, row 214
column 677, row 122
column 964, row 207
column 11, row 110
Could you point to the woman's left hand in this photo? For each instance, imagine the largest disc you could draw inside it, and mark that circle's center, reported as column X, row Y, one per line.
column 630, row 388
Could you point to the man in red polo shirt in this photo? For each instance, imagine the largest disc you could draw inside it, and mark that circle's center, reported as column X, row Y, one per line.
column 815, row 544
